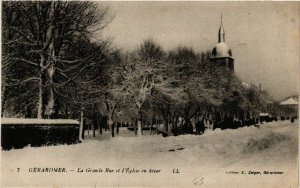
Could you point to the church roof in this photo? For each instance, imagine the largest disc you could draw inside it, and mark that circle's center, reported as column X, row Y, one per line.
column 221, row 50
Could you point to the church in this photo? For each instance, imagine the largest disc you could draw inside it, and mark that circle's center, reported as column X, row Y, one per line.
column 221, row 54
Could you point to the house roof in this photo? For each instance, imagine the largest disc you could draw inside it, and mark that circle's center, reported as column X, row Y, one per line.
column 289, row 101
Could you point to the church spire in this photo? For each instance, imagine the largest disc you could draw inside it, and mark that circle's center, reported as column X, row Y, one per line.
column 221, row 31
column 221, row 19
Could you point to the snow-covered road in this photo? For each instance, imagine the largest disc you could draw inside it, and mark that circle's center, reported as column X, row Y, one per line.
column 244, row 157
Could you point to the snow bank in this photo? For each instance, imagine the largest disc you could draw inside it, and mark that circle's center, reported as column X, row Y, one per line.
column 260, row 144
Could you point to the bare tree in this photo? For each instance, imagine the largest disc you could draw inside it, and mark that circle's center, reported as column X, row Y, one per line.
column 42, row 30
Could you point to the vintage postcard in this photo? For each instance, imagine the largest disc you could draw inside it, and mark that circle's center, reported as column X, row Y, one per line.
column 149, row 94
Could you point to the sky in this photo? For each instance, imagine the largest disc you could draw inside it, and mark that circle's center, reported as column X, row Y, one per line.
column 263, row 36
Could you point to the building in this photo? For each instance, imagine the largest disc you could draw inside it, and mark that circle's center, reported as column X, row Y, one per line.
column 221, row 54
column 289, row 107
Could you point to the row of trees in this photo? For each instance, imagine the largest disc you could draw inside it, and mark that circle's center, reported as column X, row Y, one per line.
column 52, row 67
column 179, row 84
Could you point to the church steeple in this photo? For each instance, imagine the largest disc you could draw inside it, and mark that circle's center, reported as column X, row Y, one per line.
column 221, row 31
column 221, row 54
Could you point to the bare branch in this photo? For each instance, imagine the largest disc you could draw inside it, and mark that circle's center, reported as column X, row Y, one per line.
column 25, row 61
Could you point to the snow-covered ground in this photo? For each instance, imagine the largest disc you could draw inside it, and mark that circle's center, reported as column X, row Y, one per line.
column 215, row 159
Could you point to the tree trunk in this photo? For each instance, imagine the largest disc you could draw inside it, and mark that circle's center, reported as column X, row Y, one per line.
column 3, row 96
column 81, row 132
column 176, row 121
column 50, row 106
column 40, row 98
column 110, row 125
column 165, row 124
column 134, row 127
column 118, row 128
column 99, row 123
column 113, row 130
column 139, row 124
column 156, row 124
column 94, row 130
column 50, row 70
column 151, row 126
column 170, row 126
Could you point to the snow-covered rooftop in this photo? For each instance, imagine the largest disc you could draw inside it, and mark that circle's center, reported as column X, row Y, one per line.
column 289, row 101
column 37, row 121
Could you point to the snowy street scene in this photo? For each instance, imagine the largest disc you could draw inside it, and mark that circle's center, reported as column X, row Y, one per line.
column 149, row 94
column 212, row 156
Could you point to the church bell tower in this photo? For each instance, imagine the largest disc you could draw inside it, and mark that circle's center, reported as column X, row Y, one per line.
column 221, row 54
